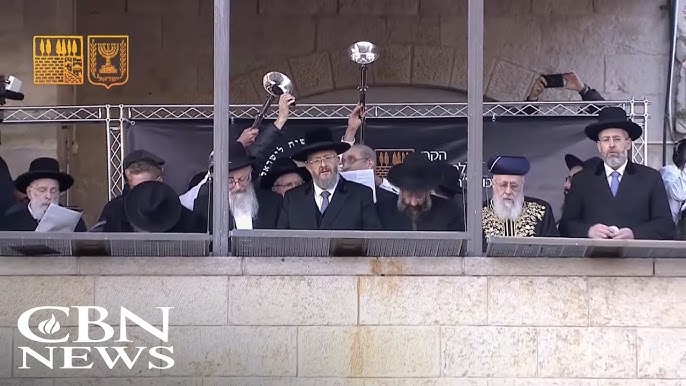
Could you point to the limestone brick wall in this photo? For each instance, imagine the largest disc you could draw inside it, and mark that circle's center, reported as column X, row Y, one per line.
column 358, row 321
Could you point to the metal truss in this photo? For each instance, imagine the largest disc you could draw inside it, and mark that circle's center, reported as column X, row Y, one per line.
column 117, row 118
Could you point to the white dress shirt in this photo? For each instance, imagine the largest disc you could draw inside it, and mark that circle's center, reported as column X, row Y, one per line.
column 243, row 221
column 318, row 199
column 675, row 184
column 609, row 170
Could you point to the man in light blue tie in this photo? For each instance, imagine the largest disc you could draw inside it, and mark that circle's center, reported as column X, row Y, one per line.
column 618, row 199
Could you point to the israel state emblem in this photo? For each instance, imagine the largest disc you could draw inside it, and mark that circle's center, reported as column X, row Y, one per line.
column 387, row 158
column 108, row 60
column 58, row 60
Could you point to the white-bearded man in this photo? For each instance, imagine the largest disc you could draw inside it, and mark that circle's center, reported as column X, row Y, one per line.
column 510, row 212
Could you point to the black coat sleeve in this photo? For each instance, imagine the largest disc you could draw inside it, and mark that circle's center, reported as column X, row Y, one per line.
column 370, row 217
column 262, row 148
column 547, row 227
column 283, row 221
column 661, row 226
column 571, row 224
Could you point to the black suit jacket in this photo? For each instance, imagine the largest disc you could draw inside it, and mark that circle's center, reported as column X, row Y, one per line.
column 267, row 214
column 444, row 215
column 351, row 208
column 20, row 219
column 641, row 203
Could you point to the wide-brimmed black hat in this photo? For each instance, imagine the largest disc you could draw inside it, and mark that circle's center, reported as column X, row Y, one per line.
column 44, row 167
column 153, row 206
column 281, row 167
column 141, row 155
column 508, row 165
column 613, row 118
column 416, row 174
column 450, row 179
column 238, row 157
column 319, row 140
column 573, row 161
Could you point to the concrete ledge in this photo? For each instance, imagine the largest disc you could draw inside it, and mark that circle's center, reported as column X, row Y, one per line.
column 37, row 266
column 170, row 266
column 671, row 267
column 410, row 266
column 511, row 266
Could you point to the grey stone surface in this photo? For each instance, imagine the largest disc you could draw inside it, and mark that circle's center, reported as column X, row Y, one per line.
column 27, row 266
column 144, row 266
column 557, row 267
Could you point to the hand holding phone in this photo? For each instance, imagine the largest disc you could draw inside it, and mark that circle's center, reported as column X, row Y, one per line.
column 554, row 81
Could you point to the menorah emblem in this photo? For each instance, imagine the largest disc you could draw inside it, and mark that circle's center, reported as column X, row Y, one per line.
column 108, row 51
column 108, row 60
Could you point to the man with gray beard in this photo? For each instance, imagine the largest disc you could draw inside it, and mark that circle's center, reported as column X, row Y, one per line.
column 329, row 201
column 510, row 212
column 43, row 184
column 250, row 208
column 617, row 199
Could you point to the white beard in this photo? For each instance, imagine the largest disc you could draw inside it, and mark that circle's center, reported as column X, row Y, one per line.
column 38, row 211
column 508, row 210
column 244, row 203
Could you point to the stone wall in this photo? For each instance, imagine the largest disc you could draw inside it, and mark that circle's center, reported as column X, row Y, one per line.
column 359, row 321
column 619, row 47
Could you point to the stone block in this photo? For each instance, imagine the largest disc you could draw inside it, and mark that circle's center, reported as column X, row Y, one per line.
column 661, row 353
column 339, row 32
column 298, row 7
column 658, row 9
column 405, row 300
column 547, row 8
column 421, row 382
column 537, row 301
column 293, row 300
column 414, row 30
column 453, row 32
column 670, row 267
column 637, row 302
column 443, row 8
column 489, row 351
column 113, row 8
column 179, row 43
column 588, row 68
column 234, row 351
column 432, row 65
column 27, row 382
column 587, row 352
column 509, row 82
column 13, row 10
column 5, row 352
column 255, row 381
column 346, row 74
column 179, row 7
column 513, row 8
column 137, row 337
column 242, row 91
column 378, row 7
column 256, row 77
column 514, row 39
column 541, row 382
column 168, row 381
column 394, row 65
column 26, row 265
column 557, row 267
column 34, row 291
column 312, row 73
column 200, row 300
column 368, row 352
column 637, row 382
column 49, row 17
column 171, row 266
column 31, row 136
column 635, row 74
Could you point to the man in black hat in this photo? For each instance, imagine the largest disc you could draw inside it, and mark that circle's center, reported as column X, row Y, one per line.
column 329, row 201
column 250, row 208
column 617, row 199
column 284, row 175
column 416, row 209
column 510, row 212
column 154, row 207
column 139, row 166
column 43, row 184
column 575, row 165
column 6, row 188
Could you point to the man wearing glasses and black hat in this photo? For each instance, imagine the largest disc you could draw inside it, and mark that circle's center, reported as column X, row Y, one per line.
column 329, row 201
column 617, row 199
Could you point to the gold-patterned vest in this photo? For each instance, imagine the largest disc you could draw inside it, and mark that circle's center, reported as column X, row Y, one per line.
column 524, row 226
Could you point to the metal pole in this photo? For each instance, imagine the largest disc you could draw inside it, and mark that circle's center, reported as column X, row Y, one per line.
column 475, row 123
column 220, row 193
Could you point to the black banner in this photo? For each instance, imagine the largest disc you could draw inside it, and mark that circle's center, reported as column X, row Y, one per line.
column 185, row 145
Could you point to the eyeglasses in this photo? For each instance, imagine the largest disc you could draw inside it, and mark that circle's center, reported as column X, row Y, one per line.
column 607, row 140
column 45, row 189
column 512, row 185
column 242, row 180
column 321, row 160
column 289, row 185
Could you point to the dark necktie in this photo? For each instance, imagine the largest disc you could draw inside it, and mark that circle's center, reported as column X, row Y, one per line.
column 614, row 184
column 325, row 201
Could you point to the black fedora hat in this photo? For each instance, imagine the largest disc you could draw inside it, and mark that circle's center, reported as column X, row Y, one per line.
column 573, row 161
column 319, row 140
column 416, row 174
column 153, row 206
column 281, row 167
column 238, row 157
column 44, row 167
column 613, row 118
column 450, row 179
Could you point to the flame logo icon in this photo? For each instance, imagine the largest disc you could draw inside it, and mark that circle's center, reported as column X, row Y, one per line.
column 49, row 326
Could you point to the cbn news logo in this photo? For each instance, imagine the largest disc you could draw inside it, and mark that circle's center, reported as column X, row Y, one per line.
column 86, row 348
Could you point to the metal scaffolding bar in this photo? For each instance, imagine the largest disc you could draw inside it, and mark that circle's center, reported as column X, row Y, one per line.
column 220, row 203
column 475, row 125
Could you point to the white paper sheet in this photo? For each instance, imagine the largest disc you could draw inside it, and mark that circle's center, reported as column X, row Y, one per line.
column 364, row 177
column 58, row 219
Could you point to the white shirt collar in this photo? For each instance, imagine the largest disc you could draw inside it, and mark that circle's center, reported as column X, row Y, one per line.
column 31, row 212
column 620, row 170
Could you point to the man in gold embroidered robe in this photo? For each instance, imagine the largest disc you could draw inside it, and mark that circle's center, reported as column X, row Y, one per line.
column 510, row 212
